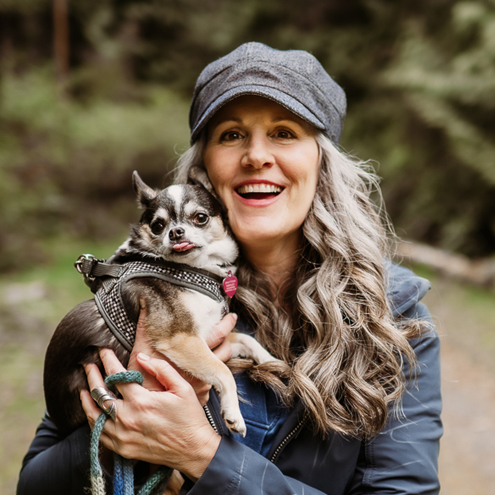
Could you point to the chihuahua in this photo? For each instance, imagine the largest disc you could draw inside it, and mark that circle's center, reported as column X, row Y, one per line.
column 172, row 262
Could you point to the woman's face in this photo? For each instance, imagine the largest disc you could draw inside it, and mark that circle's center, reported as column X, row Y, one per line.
column 263, row 161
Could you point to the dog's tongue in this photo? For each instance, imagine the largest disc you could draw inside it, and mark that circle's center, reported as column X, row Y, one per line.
column 183, row 246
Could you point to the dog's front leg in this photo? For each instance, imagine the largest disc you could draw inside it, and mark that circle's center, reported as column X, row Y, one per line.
column 191, row 353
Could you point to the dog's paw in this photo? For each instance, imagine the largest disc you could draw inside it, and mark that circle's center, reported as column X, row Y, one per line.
column 234, row 420
column 265, row 357
column 236, row 425
column 245, row 346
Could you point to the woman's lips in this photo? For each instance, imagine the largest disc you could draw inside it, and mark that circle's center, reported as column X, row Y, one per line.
column 258, row 193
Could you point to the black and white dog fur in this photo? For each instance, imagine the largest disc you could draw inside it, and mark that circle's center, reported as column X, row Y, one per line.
column 184, row 224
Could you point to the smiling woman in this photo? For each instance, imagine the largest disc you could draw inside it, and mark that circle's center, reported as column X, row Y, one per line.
column 263, row 162
column 353, row 405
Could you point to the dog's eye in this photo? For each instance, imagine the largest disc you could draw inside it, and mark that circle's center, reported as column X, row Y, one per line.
column 157, row 227
column 200, row 218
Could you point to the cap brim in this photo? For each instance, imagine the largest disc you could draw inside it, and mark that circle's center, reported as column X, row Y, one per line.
column 275, row 95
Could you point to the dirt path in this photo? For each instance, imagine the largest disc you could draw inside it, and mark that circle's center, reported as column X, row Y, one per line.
column 467, row 459
column 465, row 319
column 466, row 323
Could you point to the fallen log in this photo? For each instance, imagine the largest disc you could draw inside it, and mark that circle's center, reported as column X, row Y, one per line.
column 479, row 272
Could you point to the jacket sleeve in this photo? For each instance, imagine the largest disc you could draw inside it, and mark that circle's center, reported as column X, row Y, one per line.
column 54, row 464
column 403, row 458
column 238, row 470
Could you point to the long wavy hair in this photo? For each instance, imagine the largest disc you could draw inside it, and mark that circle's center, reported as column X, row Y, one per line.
column 331, row 323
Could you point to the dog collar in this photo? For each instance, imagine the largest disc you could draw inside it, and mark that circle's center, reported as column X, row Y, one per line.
column 107, row 280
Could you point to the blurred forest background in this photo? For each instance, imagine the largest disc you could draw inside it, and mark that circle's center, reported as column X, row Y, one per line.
column 91, row 90
column 113, row 97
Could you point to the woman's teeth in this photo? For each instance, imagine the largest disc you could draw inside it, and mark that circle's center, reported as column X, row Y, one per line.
column 259, row 188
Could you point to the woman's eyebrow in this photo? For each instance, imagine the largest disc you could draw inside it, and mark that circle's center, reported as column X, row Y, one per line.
column 222, row 120
column 286, row 118
column 238, row 120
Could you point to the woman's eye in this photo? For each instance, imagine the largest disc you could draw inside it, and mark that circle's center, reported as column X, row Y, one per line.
column 200, row 218
column 284, row 135
column 230, row 136
column 157, row 227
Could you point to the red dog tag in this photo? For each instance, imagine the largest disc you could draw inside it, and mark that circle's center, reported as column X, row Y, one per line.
column 229, row 284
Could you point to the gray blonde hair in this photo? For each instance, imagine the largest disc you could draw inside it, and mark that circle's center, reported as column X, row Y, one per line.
column 333, row 326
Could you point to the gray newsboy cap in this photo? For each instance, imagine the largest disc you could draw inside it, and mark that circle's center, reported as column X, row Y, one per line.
column 292, row 78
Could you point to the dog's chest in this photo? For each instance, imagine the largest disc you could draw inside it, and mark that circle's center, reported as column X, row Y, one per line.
column 178, row 299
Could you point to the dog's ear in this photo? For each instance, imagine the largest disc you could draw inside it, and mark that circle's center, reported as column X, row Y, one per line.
column 197, row 176
column 145, row 193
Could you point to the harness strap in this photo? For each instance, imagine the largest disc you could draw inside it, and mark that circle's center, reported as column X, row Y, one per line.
column 107, row 280
column 90, row 268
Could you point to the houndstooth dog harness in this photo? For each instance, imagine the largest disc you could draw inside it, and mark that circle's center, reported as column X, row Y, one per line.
column 112, row 277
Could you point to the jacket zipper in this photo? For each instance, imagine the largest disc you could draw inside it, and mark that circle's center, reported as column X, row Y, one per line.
column 287, row 438
column 282, row 444
column 209, row 417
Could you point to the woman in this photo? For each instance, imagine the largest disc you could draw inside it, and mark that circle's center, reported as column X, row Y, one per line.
column 358, row 411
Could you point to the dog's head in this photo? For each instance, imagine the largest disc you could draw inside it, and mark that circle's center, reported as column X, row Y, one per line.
column 184, row 223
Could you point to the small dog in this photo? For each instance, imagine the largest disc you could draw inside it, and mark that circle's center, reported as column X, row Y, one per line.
column 182, row 224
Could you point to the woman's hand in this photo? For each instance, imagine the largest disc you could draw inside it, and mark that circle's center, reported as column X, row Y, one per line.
column 166, row 426
column 216, row 341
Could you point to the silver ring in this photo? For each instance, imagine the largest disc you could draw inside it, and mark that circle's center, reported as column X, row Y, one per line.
column 101, row 395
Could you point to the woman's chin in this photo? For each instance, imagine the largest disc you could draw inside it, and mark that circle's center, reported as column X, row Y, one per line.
column 266, row 237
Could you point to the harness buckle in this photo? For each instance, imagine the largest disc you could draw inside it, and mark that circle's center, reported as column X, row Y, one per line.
column 84, row 265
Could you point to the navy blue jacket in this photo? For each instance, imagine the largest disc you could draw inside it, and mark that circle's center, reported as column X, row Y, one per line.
column 402, row 459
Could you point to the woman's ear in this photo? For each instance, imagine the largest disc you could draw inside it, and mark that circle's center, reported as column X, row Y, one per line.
column 144, row 193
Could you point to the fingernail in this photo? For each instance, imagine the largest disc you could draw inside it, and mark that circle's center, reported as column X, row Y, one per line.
column 234, row 315
column 143, row 356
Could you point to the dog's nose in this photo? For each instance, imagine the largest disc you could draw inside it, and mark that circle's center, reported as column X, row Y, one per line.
column 176, row 234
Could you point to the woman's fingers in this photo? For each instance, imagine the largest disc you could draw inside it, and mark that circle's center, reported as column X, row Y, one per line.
column 221, row 330
column 170, row 379
column 142, row 344
column 113, row 366
column 216, row 341
column 95, row 380
column 90, row 408
column 160, row 427
column 223, row 351
column 201, row 389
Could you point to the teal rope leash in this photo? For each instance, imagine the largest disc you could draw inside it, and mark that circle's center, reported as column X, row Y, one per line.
column 124, row 377
column 123, row 474
column 97, row 479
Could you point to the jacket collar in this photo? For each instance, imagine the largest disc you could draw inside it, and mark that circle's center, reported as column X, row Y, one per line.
column 405, row 289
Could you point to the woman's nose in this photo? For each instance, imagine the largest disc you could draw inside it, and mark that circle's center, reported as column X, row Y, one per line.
column 258, row 153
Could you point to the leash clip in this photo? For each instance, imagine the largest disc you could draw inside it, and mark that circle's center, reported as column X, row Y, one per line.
column 84, row 265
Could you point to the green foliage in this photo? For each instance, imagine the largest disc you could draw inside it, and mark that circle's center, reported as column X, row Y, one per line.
column 446, row 84
column 421, row 101
column 66, row 166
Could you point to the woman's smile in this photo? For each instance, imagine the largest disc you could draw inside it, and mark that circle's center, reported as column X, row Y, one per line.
column 263, row 161
column 255, row 193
